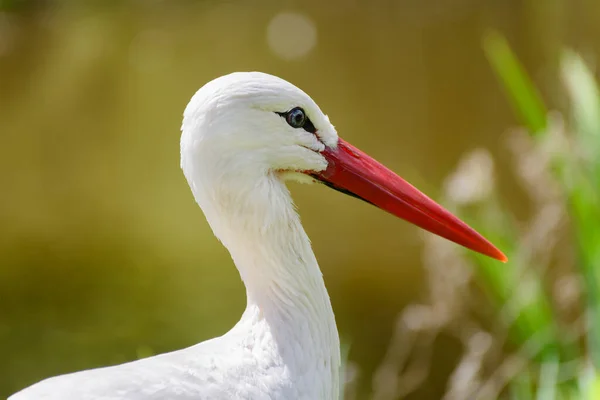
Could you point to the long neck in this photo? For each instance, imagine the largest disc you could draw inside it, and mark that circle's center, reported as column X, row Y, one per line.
column 283, row 281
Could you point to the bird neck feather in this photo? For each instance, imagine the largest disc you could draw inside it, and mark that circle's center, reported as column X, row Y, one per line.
column 262, row 231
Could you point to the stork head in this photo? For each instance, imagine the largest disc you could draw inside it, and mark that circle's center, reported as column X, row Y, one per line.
column 251, row 123
column 244, row 131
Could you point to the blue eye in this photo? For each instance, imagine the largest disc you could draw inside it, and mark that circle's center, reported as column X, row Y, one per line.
column 296, row 118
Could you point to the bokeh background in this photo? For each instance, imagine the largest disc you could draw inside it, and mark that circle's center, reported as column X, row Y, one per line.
column 105, row 257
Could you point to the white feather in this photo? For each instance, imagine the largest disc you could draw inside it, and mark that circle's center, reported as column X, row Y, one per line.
column 236, row 152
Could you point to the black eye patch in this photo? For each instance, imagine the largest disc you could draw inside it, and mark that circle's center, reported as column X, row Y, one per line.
column 297, row 118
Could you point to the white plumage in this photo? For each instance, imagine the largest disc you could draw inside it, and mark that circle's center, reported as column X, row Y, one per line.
column 235, row 153
column 243, row 136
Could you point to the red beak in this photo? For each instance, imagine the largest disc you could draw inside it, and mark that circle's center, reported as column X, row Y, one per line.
column 355, row 173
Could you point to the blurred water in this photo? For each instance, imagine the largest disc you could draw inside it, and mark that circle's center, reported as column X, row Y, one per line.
column 104, row 256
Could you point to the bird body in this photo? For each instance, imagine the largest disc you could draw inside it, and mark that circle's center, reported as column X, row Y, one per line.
column 243, row 136
column 245, row 363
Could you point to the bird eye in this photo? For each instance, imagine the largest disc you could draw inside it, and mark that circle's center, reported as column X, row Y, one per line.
column 296, row 117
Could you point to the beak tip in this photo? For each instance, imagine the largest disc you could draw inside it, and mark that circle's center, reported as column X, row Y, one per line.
column 500, row 256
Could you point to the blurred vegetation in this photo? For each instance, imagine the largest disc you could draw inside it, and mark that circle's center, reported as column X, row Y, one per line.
column 104, row 257
column 541, row 339
column 547, row 304
column 570, row 154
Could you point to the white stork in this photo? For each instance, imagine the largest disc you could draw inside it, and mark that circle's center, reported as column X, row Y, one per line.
column 243, row 136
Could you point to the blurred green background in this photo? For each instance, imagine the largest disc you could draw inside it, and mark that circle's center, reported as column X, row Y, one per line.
column 105, row 257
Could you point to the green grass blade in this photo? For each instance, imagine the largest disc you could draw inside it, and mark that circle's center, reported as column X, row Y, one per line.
column 585, row 107
column 521, row 91
column 548, row 384
column 514, row 288
column 581, row 179
column 521, row 387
